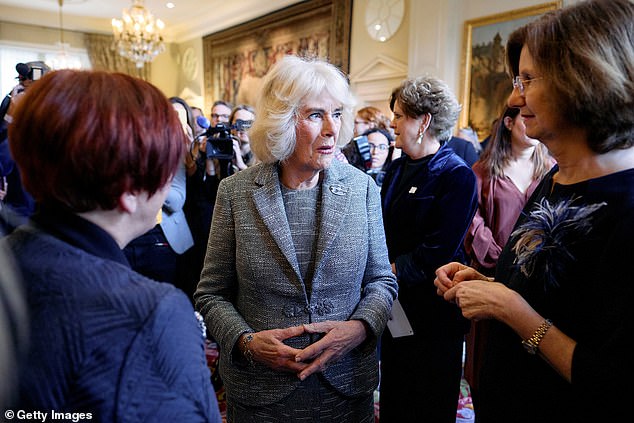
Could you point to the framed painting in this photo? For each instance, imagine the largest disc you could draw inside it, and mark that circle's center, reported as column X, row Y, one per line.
column 485, row 83
column 236, row 59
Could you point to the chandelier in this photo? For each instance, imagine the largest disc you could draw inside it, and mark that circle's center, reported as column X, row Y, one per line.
column 137, row 36
column 62, row 59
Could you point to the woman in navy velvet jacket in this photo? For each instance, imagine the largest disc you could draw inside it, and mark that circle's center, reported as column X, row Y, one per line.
column 429, row 198
column 104, row 340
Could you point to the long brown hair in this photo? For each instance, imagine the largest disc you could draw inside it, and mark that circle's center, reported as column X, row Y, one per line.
column 498, row 152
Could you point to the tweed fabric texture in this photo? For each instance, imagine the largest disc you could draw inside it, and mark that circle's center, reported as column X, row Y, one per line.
column 251, row 279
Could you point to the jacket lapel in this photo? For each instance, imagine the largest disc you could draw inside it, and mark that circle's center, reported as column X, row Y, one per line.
column 335, row 200
column 269, row 203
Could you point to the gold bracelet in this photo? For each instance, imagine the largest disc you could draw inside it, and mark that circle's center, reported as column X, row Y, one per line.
column 246, row 351
column 531, row 344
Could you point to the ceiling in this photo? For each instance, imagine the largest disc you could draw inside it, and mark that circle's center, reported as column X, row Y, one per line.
column 188, row 19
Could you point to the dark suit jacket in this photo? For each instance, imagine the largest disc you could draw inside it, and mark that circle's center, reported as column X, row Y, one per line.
column 425, row 225
column 251, row 279
column 464, row 149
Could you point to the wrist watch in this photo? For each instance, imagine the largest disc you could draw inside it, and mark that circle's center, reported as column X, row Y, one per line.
column 531, row 344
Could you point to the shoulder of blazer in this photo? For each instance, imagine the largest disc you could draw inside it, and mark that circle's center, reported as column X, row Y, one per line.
column 446, row 159
column 263, row 174
column 345, row 173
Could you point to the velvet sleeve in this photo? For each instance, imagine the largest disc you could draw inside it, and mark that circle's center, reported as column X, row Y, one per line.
column 454, row 205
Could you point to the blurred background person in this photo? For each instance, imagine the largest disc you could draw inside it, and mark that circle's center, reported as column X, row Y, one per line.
column 464, row 149
column 380, row 143
column 366, row 118
column 156, row 253
column 507, row 173
column 220, row 112
column 185, row 116
column 242, row 118
column 467, row 133
column 429, row 198
column 104, row 339
column 17, row 205
column 197, row 112
column 204, row 171
column 486, row 140
column 296, row 311
column 560, row 306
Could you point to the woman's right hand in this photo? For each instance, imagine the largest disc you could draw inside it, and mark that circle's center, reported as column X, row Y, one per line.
column 450, row 274
column 267, row 347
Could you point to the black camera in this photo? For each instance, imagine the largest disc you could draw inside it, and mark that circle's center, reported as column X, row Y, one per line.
column 363, row 148
column 31, row 70
column 242, row 125
column 220, row 140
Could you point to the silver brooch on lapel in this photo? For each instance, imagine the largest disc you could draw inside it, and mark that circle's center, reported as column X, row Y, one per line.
column 338, row 189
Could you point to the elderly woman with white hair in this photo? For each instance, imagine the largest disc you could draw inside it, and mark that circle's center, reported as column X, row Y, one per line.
column 297, row 286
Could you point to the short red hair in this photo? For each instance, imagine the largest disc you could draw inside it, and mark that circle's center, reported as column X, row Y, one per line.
column 83, row 138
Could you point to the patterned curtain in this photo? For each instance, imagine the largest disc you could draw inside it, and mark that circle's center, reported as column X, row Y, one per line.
column 103, row 56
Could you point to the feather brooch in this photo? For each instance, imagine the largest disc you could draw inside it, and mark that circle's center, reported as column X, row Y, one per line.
column 543, row 240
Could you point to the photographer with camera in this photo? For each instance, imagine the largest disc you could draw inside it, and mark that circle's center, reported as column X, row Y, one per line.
column 214, row 155
column 16, row 205
column 241, row 119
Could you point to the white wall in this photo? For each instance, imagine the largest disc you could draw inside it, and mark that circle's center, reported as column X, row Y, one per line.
column 437, row 33
column 179, row 71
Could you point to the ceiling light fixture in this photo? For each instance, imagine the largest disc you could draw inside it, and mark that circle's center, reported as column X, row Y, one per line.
column 62, row 59
column 137, row 35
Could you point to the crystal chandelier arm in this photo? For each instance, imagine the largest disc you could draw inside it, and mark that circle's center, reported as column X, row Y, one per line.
column 138, row 34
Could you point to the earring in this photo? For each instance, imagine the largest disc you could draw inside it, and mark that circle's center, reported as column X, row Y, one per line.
column 421, row 132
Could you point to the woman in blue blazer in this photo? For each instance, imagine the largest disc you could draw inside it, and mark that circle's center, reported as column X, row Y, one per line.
column 429, row 198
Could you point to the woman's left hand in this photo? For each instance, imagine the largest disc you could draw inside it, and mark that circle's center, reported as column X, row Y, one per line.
column 483, row 299
column 340, row 338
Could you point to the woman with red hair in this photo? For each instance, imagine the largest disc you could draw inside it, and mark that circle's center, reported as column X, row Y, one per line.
column 98, row 152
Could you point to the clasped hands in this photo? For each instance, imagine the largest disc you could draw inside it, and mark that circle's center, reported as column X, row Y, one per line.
column 340, row 337
column 478, row 296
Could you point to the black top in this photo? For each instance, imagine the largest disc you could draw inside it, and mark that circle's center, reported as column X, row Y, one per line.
column 428, row 205
column 577, row 275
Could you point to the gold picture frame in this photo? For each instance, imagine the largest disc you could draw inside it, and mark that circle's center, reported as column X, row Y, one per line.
column 485, row 83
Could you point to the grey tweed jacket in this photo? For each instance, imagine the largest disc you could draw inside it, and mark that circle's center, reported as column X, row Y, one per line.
column 251, row 279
